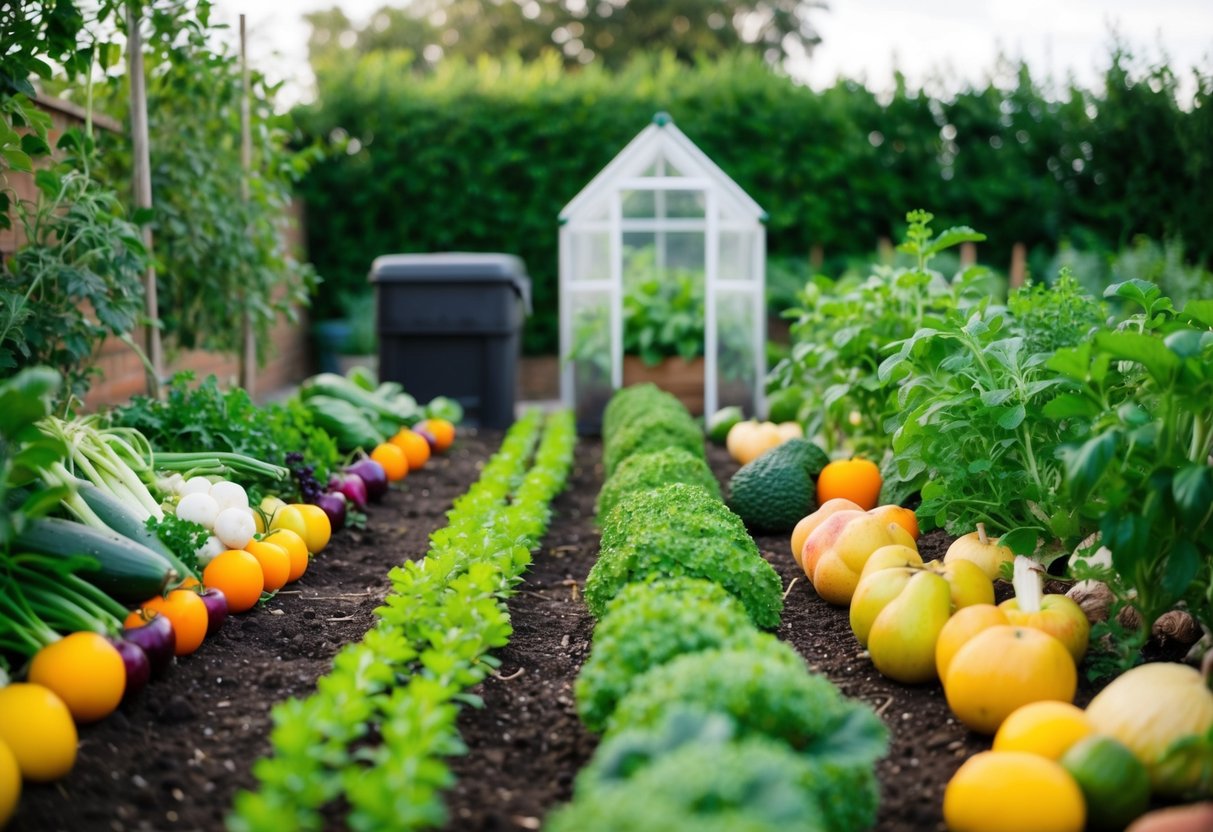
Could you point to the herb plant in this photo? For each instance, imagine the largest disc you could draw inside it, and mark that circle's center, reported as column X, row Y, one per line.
column 206, row 418
column 841, row 332
column 970, row 426
column 1142, row 393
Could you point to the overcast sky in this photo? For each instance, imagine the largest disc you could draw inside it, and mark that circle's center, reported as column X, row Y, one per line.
column 865, row 39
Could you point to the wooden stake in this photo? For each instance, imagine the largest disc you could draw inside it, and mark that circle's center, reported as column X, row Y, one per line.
column 248, row 353
column 1019, row 265
column 142, row 164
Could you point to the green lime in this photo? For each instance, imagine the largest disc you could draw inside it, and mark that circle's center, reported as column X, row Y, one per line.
column 1114, row 782
column 722, row 421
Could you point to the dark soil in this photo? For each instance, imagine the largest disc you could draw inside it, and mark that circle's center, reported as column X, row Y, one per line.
column 175, row 756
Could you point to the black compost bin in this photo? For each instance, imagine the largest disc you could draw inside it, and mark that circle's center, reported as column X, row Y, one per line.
column 449, row 325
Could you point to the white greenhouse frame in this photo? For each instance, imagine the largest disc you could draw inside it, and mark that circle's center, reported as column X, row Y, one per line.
column 663, row 164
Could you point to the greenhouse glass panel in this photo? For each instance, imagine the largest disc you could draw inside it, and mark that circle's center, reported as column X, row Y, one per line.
column 739, row 342
column 662, row 278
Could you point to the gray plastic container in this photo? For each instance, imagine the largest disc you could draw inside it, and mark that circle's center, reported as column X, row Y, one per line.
column 449, row 325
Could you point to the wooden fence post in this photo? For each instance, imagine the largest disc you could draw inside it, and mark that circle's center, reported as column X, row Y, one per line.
column 968, row 255
column 248, row 351
column 142, row 164
column 1019, row 265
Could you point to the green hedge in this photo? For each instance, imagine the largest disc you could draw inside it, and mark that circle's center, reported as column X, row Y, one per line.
column 484, row 158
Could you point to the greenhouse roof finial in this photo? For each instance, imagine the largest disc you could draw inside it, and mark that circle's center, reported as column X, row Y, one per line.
column 662, row 118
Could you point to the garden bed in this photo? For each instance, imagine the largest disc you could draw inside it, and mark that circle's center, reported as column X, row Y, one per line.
column 175, row 757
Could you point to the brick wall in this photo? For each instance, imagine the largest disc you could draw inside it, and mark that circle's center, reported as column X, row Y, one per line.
column 288, row 362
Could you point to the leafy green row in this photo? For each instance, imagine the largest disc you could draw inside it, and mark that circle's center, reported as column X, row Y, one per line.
column 377, row 727
column 710, row 724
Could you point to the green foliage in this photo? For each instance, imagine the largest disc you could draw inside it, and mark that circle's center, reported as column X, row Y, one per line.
column 752, row 783
column 25, row 451
column 648, row 624
column 609, row 34
column 682, row 530
column 772, row 493
column 844, row 791
column 206, row 418
column 767, row 691
column 637, row 400
column 182, row 537
column 970, row 393
column 487, row 155
column 663, row 316
column 219, row 233
column 1142, row 394
column 77, row 279
column 644, row 471
column 653, row 431
column 431, row 642
column 842, row 331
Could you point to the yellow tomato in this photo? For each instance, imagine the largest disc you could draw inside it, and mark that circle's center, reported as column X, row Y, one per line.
column 295, row 547
column 85, row 671
column 10, row 784
column 317, row 528
column 961, row 627
column 1013, row 791
column 38, row 729
column 1004, row 668
column 1044, row 728
column 289, row 517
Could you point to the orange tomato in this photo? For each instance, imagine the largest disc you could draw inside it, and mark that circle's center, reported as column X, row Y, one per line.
column 10, row 784
column 318, row 527
column 857, row 480
column 274, row 561
column 416, row 449
column 139, row 617
column 238, row 575
column 1004, row 668
column 392, row 458
column 296, row 550
column 185, row 610
column 189, row 583
column 85, row 671
column 442, row 431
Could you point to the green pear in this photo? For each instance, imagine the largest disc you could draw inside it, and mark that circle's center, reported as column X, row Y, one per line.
column 902, row 639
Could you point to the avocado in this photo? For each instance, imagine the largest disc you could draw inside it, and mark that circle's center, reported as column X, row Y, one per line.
column 772, row 493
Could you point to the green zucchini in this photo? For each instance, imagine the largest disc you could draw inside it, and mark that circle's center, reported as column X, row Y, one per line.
column 115, row 514
column 123, row 569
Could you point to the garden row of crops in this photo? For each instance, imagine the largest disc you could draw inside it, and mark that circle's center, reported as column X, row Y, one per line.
column 128, row 538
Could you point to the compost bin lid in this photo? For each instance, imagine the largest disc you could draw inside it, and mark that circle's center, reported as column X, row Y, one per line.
column 454, row 267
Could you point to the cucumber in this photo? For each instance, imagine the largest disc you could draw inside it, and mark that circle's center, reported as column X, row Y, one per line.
column 118, row 516
column 124, row 570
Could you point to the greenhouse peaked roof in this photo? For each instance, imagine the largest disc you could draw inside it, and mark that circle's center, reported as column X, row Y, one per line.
column 661, row 140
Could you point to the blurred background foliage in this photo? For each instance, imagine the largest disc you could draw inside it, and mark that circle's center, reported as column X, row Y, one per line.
column 454, row 154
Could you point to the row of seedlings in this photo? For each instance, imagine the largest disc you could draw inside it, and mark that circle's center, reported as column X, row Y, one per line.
column 708, row 722
column 375, row 733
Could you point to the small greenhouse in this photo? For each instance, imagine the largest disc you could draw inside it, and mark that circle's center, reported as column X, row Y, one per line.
column 662, row 278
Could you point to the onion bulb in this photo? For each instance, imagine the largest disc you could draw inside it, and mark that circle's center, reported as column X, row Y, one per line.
column 229, row 495
column 1149, row 709
column 198, row 507
column 235, row 527
column 195, row 485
